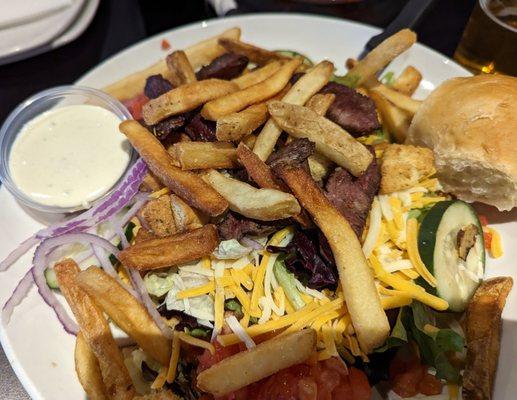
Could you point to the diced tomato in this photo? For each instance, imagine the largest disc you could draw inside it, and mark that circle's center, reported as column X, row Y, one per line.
column 405, row 384
column 483, row 219
column 165, row 44
column 430, row 385
column 487, row 236
column 206, row 360
column 359, row 383
column 135, row 105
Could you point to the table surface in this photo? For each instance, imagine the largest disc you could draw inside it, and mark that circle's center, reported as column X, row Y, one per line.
column 120, row 23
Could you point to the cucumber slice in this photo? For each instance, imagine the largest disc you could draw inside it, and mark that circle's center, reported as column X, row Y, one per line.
column 51, row 278
column 458, row 265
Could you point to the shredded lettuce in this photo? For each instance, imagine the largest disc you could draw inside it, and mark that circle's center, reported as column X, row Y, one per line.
column 230, row 250
column 158, row 283
column 288, row 283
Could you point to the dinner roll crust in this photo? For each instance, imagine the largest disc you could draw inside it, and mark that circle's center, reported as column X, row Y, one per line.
column 471, row 125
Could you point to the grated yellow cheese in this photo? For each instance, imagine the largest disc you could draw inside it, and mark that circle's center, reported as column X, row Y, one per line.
column 453, row 391
column 282, row 322
column 219, row 308
column 307, row 319
column 185, row 338
column 258, row 287
column 496, row 248
column 241, row 278
column 160, row 379
column 207, row 263
column 175, row 356
column 409, row 273
column 245, row 320
column 395, row 301
column 242, row 297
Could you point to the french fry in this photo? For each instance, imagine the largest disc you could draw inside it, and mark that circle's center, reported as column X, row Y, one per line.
column 260, row 204
column 215, row 109
column 171, row 250
column 185, row 98
column 362, row 299
column 233, row 127
column 308, row 85
column 400, row 100
column 319, row 165
column 331, row 140
column 262, row 175
column 381, row 56
column 180, row 70
column 198, row 55
column 88, row 370
column 258, row 75
column 483, row 332
column 255, row 54
column 185, row 217
column 126, row 311
column 252, row 365
column 249, row 140
column 96, row 331
column 150, row 183
column 407, row 82
column 205, row 155
column 396, row 120
column 186, row 185
column 320, row 103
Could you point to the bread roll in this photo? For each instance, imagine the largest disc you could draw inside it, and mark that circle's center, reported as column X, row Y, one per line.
column 471, row 125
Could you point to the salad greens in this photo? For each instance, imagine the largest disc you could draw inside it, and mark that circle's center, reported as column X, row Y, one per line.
column 417, row 323
column 287, row 281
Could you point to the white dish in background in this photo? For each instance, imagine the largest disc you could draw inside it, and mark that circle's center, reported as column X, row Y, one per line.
column 20, row 42
column 39, row 349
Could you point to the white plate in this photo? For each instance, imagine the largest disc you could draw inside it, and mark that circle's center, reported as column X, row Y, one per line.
column 26, row 36
column 85, row 11
column 42, row 353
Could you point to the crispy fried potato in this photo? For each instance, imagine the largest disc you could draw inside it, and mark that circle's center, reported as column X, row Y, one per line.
column 396, row 120
column 321, row 102
column 172, row 250
column 205, row 155
column 331, row 140
column 258, row 75
column 362, row 299
column 407, row 82
column 180, row 70
column 186, row 185
column 255, row 54
column 308, row 85
column 185, row 98
column 381, row 56
column 261, row 204
column 319, row 165
column 400, row 100
column 198, row 55
column 88, row 370
column 215, row 109
column 156, row 217
column 249, row 140
column 96, row 331
column 252, row 365
column 126, row 311
column 483, row 331
column 151, row 183
column 262, row 175
column 185, row 217
column 233, row 127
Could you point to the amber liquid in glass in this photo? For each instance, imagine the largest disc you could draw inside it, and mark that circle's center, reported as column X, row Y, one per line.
column 489, row 42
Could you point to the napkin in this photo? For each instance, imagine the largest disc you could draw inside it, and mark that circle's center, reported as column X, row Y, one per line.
column 18, row 12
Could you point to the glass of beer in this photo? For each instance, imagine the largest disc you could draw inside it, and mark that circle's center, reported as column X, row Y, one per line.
column 489, row 42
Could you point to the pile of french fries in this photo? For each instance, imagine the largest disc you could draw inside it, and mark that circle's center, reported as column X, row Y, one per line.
column 261, row 97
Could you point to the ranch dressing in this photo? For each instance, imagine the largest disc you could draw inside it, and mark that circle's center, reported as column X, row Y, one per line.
column 69, row 156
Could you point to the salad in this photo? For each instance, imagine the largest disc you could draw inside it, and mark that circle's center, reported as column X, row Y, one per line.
column 273, row 240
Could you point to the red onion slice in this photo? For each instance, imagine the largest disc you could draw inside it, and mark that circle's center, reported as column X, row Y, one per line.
column 248, row 242
column 139, row 285
column 19, row 293
column 39, row 265
column 100, row 212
